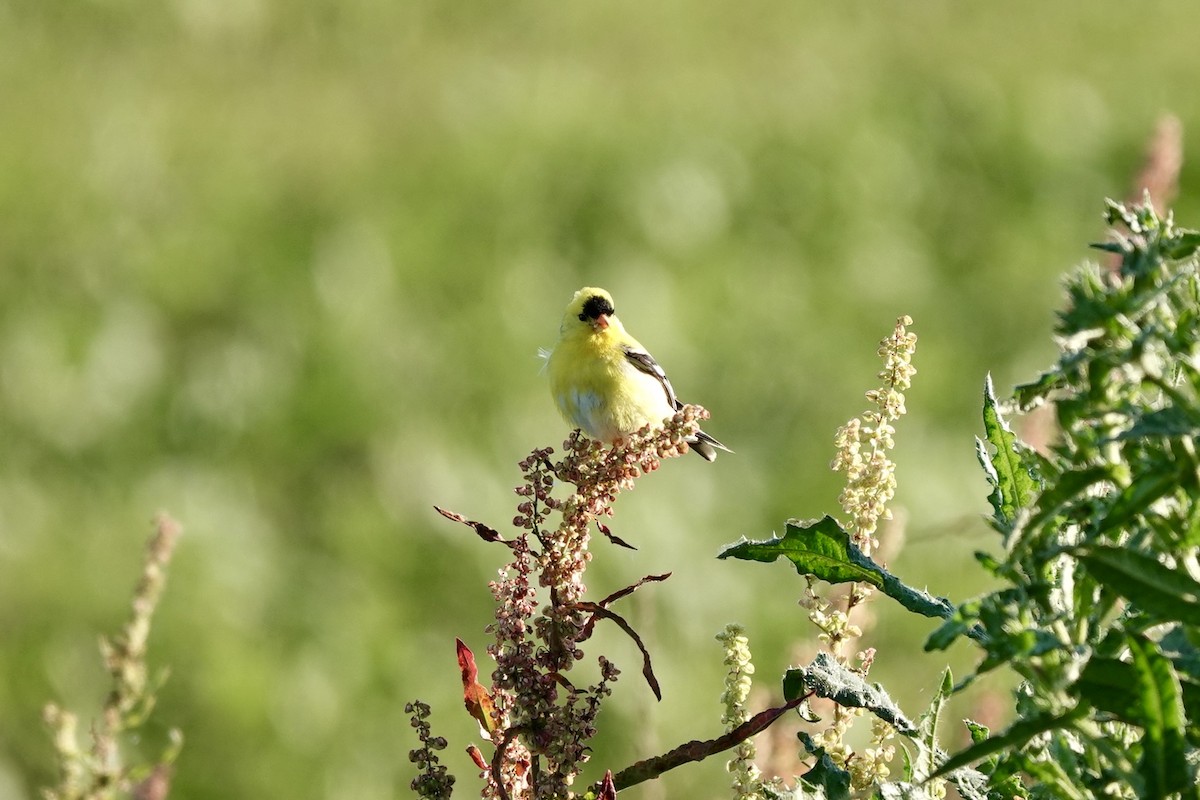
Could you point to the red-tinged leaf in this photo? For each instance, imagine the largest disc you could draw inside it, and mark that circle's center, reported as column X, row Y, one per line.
column 628, row 590
column 477, row 756
column 475, row 696
column 590, row 625
column 597, row 610
column 612, row 537
column 483, row 531
column 608, row 789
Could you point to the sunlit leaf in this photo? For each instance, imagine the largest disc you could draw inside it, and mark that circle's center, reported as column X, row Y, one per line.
column 823, row 550
column 475, row 697
column 1164, row 766
column 1009, row 470
column 829, row 679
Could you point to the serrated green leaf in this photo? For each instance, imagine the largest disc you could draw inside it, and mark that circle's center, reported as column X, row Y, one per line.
column 977, row 731
column 823, row 550
column 1013, row 738
column 928, row 724
column 1171, row 594
column 1008, row 471
column 1164, row 767
column 947, row 687
column 907, row 772
column 831, row 680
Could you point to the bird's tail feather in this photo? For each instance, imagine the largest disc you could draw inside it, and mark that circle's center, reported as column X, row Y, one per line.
column 706, row 446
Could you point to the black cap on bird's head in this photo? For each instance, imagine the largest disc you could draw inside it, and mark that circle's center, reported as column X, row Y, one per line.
column 593, row 307
column 596, row 306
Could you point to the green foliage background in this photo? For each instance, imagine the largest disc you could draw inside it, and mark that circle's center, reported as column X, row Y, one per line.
column 283, row 269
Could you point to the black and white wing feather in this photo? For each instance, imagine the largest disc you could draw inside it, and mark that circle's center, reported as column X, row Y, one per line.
column 702, row 443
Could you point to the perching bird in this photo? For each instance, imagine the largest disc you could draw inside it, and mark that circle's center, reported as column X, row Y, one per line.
column 604, row 382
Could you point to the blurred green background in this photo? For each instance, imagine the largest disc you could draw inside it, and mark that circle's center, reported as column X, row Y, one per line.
column 282, row 269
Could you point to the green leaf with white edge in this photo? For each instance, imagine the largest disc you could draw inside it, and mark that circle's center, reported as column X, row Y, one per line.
column 1152, row 586
column 971, row 784
column 1164, row 767
column 1013, row 738
column 906, row 773
column 1009, row 470
column 928, row 724
column 977, row 731
column 829, row 679
column 824, row 550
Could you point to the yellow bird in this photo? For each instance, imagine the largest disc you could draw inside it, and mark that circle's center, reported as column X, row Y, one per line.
column 604, row 382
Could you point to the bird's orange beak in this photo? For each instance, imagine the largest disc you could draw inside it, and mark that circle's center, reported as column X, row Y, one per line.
column 601, row 322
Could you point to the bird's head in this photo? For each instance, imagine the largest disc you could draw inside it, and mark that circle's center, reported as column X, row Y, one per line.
column 591, row 310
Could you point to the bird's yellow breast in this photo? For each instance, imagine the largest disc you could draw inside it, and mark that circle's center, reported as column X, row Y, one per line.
column 599, row 391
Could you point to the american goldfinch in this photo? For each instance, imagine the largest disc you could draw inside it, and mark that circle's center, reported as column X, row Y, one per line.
column 604, row 382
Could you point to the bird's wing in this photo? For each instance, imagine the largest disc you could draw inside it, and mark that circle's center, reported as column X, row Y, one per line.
column 644, row 362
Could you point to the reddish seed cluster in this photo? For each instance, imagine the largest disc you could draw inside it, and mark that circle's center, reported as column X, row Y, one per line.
column 543, row 721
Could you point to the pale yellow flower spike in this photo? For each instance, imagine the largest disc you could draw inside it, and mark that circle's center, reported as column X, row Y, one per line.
column 863, row 442
column 738, row 681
